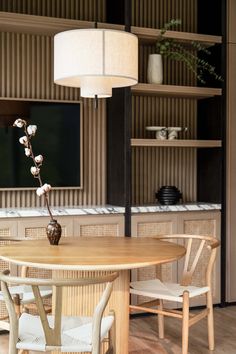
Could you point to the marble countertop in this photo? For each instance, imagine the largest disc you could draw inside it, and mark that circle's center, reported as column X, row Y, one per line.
column 107, row 209
column 176, row 208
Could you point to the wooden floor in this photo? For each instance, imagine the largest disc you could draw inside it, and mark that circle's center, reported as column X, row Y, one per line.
column 143, row 338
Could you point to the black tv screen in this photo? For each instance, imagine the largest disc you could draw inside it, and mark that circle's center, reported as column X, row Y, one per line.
column 58, row 139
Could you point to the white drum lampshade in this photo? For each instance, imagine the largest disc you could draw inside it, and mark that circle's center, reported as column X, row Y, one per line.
column 96, row 60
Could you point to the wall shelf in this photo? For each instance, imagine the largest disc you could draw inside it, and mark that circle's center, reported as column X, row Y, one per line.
column 150, row 35
column 175, row 91
column 47, row 26
column 176, row 143
column 42, row 25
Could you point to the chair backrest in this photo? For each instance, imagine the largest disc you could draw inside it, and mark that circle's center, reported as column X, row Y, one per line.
column 195, row 248
column 53, row 335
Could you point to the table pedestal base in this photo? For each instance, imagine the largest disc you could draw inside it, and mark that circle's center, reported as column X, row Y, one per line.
column 82, row 301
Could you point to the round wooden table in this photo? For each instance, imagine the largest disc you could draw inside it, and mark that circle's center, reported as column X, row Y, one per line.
column 86, row 255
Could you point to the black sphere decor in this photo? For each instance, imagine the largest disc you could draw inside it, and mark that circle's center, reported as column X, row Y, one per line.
column 168, row 195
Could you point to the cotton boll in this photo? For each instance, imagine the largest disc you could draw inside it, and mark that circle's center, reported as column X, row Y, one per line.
column 39, row 158
column 19, row 123
column 23, row 140
column 34, row 170
column 31, row 129
column 40, row 191
column 27, row 152
column 46, row 187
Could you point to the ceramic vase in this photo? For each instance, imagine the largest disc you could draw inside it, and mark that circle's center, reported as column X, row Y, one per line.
column 168, row 195
column 53, row 231
column 155, row 69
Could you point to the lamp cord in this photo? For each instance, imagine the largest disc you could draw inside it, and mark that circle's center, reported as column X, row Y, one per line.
column 96, row 102
column 96, row 14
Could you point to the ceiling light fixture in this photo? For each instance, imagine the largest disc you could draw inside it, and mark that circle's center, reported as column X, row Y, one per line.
column 96, row 60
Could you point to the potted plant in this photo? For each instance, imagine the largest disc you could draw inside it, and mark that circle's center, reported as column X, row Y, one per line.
column 173, row 49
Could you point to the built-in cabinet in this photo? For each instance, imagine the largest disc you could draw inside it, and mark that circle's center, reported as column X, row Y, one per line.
column 72, row 226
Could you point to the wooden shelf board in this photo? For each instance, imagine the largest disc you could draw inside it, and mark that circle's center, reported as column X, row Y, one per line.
column 175, row 91
column 42, row 25
column 150, row 35
column 177, row 143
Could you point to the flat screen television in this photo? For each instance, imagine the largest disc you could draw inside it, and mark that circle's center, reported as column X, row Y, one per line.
column 58, row 139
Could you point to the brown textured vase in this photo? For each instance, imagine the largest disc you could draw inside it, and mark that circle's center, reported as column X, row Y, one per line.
column 53, row 232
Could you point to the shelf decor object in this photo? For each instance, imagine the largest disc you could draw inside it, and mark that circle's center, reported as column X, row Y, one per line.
column 168, row 195
column 161, row 132
column 53, row 229
column 174, row 131
column 96, row 60
column 155, row 69
column 175, row 50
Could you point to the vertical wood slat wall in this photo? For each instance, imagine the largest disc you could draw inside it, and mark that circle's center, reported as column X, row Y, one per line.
column 154, row 167
column 155, row 13
column 24, row 76
column 87, row 10
column 26, row 73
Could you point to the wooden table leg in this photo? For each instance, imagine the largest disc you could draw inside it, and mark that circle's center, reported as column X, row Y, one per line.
column 120, row 304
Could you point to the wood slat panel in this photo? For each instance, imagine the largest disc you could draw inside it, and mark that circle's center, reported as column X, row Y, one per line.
column 155, row 13
column 92, row 10
column 154, row 167
column 26, row 72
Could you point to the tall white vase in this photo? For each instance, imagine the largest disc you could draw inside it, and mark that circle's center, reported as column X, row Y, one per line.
column 155, row 69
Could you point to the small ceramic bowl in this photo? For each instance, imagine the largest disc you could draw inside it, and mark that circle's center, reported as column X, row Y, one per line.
column 161, row 132
column 173, row 132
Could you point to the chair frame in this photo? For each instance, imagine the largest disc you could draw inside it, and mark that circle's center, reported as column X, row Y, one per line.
column 187, row 319
column 19, row 308
column 53, row 335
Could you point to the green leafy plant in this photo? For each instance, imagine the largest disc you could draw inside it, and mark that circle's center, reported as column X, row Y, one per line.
column 188, row 54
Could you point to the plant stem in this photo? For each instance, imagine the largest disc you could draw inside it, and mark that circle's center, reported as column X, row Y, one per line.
column 38, row 176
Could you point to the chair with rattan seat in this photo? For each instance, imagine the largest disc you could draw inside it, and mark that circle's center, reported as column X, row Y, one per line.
column 183, row 292
column 23, row 298
column 45, row 332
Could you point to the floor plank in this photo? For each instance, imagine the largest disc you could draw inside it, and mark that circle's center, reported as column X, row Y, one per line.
column 143, row 335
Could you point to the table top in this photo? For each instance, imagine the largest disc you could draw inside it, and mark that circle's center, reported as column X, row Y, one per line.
column 92, row 253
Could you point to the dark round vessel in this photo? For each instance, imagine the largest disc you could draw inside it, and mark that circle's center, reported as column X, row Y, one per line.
column 168, row 195
column 53, row 231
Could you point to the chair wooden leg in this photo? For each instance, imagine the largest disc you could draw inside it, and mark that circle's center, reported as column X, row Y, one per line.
column 12, row 345
column 16, row 300
column 160, row 321
column 112, row 337
column 210, row 321
column 185, row 322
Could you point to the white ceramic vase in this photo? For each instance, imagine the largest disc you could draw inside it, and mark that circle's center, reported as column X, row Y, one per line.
column 155, row 69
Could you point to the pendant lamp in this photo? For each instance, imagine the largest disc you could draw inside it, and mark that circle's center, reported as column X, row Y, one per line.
column 96, row 60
